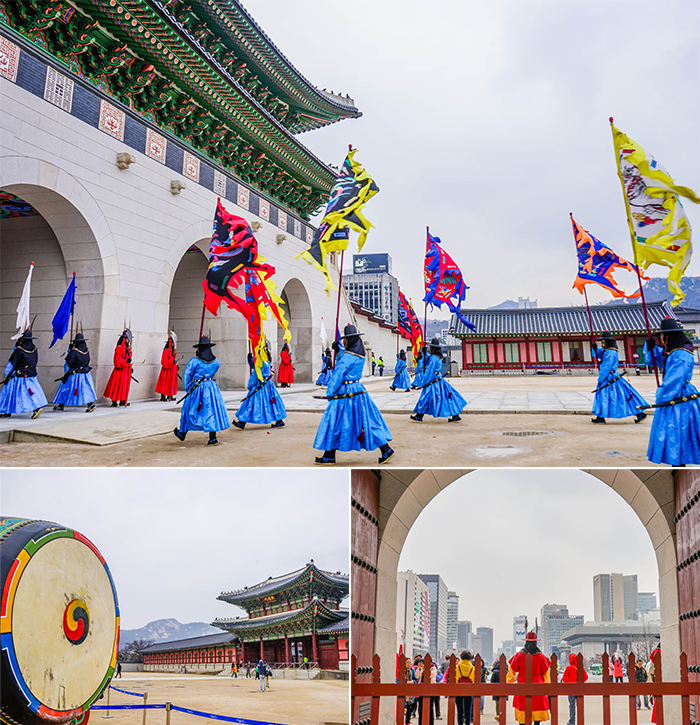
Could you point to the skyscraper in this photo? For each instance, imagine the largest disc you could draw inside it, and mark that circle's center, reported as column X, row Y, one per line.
column 452, row 620
column 615, row 598
column 464, row 635
column 647, row 601
column 486, row 634
column 412, row 613
column 438, row 615
column 519, row 632
column 555, row 620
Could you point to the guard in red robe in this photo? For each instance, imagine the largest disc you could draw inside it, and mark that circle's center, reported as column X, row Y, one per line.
column 117, row 389
column 540, row 673
column 167, row 380
column 285, row 374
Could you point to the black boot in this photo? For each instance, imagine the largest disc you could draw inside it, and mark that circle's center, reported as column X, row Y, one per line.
column 598, row 419
column 278, row 424
column 386, row 452
column 640, row 417
column 212, row 439
column 327, row 459
column 238, row 424
column 179, row 434
column 418, row 417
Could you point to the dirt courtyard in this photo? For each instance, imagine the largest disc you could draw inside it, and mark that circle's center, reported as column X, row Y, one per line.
column 287, row 702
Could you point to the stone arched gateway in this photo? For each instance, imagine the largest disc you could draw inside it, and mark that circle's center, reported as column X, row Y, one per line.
column 297, row 309
column 386, row 504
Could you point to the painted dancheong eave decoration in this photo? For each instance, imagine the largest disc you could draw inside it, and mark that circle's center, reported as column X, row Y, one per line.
column 203, row 71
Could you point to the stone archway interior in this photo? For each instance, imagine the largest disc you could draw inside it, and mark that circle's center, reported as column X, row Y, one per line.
column 297, row 309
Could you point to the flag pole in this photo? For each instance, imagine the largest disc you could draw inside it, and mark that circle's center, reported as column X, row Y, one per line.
column 590, row 322
column 201, row 324
column 72, row 308
column 634, row 246
column 337, row 309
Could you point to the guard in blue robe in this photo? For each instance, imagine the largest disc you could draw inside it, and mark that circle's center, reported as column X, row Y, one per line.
column 675, row 430
column 77, row 387
column 203, row 406
column 351, row 421
column 324, row 376
column 653, row 355
column 263, row 404
column 21, row 392
column 614, row 396
column 437, row 398
column 401, row 377
column 420, row 369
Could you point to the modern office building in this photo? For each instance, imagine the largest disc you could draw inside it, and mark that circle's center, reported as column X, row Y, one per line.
column 438, row 615
column 486, row 650
column 519, row 632
column 452, row 620
column 412, row 613
column 555, row 621
column 615, row 598
column 464, row 635
column 647, row 601
column 373, row 286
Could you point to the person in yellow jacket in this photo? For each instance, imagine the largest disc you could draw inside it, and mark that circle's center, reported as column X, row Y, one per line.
column 540, row 673
column 464, row 672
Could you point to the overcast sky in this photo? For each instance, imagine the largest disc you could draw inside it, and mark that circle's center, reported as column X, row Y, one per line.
column 488, row 121
column 509, row 541
column 175, row 539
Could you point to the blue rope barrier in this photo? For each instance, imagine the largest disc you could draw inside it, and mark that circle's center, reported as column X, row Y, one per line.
column 224, row 718
column 128, row 707
column 125, row 692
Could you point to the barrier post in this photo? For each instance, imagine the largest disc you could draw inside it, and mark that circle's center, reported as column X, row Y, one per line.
column 145, row 700
column 104, row 717
column 168, row 708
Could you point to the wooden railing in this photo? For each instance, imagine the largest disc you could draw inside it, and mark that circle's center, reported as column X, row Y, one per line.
column 400, row 689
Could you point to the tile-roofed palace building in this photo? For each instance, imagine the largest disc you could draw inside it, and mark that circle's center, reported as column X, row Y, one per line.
column 549, row 338
column 290, row 618
column 123, row 121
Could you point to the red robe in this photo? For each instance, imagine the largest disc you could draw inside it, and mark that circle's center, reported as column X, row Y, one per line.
column 120, row 379
column 540, row 673
column 167, row 380
column 285, row 374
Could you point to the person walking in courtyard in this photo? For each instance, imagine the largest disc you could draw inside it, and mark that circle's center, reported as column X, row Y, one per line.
column 119, row 382
column 464, row 672
column 618, row 670
column 614, row 396
column 21, row 392
column 203, row 405
column 570, row 675
column 326, row 369
column 540, row 673
column 675, row 430
column 285, row 374
column 167, row 379
column 247, row 670
column 262, row 404
column 351, row 421
column 640, row 675
column 496, row 679
column 401, row 377
column 260, row 671
column 77, row 387
column 437, row 398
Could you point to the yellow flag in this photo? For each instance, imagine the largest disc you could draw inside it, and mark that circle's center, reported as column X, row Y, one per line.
column 659, row 228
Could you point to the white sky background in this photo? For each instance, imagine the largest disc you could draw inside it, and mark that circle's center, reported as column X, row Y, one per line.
column 509, row 541
column 488, row 122
column 175, row 539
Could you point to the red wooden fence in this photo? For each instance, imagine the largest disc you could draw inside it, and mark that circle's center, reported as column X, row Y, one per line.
column 400, row 690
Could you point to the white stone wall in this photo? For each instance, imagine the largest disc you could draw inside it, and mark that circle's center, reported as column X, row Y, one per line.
column 125, row 235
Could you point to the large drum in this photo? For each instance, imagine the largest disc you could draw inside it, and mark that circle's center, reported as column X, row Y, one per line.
column 59, row 623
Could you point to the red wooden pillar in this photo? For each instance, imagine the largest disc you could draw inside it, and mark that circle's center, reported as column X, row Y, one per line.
column 242, row 651
column 262, row 650
column 287, row 654
column 314, row 645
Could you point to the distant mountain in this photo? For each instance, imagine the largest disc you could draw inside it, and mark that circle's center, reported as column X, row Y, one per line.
column 167, row 630
column 657, row 289
column 507, row 305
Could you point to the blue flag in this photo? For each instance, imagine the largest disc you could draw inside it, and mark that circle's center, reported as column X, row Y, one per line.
column 61, row 319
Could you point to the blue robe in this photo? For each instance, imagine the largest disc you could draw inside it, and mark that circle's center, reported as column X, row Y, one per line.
column 401, row 378
column 618, row 400
column 21, row 395
column 326, row 372
column 654, row 356
column 418, row 375
column 79, row 389
column 204, row 409
column 350, row 424
column 264, row 406
column 438, row 399
column 675, row 431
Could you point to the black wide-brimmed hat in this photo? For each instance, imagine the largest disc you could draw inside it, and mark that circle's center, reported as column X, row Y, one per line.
column 27, row 335
column 607, row 335
column 350, row 331
column 79, row 337
column 670, row 324
column 435, row 342
column 204, row 342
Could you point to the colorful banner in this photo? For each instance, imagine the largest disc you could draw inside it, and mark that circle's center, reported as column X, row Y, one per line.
column 659, row 228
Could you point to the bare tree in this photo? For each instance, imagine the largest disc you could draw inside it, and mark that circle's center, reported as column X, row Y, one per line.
column 130, row 651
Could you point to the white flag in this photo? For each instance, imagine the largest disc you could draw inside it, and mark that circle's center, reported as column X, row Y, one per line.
column 324, row 335
column 23, row 320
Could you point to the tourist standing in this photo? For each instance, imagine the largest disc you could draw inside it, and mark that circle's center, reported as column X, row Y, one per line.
column 119, row 383
column 540, row 673
column 262, row 404
column 380, row 365
column 167, row 379
column 496, row 679
column 570, row 675
column 285, row 374
column 438, row 398
column 351, row 421
column 640, row 675
column 77, row 387
column 203, row 405
column 374, row 364
column 260, row 670
column 675, row 430
column 464, row 672
column 614, row 396
column 21, row 391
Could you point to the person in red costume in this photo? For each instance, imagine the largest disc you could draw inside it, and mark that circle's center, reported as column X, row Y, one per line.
column 117, row 389
column 540, row 673
column 167, row 380
column 657, row 651
column 285, row 374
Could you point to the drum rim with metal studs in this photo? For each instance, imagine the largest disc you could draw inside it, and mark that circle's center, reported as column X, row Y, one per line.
column 59, row 622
